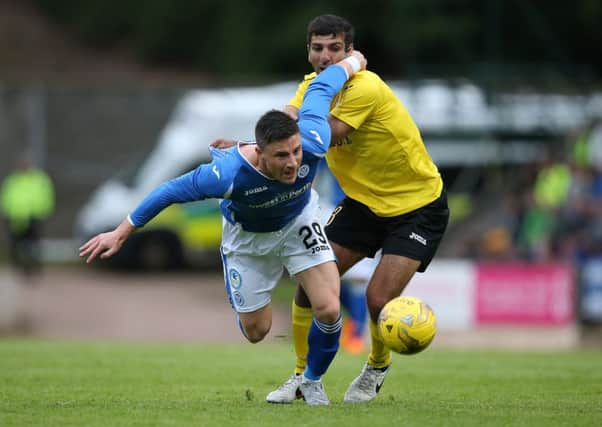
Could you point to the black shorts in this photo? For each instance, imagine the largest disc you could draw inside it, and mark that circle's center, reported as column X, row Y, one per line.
column 415, row 235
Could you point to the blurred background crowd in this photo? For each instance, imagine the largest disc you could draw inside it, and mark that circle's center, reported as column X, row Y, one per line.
column 550, row 209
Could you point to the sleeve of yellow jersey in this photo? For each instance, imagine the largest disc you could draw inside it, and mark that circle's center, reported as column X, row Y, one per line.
column 297, row 100
column 357, row 100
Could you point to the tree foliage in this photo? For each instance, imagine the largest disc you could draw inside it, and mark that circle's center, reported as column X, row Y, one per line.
column 402, row 38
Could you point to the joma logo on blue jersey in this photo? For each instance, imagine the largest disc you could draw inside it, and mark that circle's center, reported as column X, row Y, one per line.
column 255, row 190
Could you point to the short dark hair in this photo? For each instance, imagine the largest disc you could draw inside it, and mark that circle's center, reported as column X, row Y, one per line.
column 273, row 126
column 325, row 25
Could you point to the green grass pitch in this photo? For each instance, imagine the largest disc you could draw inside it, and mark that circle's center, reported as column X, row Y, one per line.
column 45, row 383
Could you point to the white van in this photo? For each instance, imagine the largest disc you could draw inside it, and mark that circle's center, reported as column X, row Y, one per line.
column 181, row 232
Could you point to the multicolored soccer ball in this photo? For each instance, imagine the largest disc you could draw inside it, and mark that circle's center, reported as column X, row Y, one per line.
column 407, row 325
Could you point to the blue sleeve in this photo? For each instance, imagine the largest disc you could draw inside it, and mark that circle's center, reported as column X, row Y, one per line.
column 313, row 114
column 319, row 94
column 206, row 181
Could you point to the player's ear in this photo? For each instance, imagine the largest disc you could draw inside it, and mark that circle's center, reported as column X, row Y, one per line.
column 349, row 47
column 308, row 53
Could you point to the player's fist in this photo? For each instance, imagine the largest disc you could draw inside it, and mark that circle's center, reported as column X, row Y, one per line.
column 361, row 58
column 354, row 62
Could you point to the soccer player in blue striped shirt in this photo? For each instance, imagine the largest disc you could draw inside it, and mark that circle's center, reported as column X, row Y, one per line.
column 271, row 220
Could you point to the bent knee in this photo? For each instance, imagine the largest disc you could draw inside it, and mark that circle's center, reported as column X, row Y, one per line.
column 256, row 332
column 375, row 305
column 254, row 337
column 328, row 311
column 376, row 302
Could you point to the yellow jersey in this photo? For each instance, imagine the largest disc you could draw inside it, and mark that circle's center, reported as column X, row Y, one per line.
column 383, row 162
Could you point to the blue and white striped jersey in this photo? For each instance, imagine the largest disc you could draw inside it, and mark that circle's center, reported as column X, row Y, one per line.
column 258, row 203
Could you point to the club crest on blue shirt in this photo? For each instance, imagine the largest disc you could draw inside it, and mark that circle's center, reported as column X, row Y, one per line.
column 235, row 279
column 303, row 171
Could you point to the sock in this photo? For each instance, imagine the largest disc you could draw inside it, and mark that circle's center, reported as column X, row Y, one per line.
column 323, row 345
column 357, row 308
column 380, row 356
column 302, row 319
column 345, row 296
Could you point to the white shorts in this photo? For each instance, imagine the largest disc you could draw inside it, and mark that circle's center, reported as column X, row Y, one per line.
column 254, row 262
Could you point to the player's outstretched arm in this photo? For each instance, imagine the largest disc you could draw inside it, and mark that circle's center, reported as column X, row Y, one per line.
column 105, row 245
column 339, row 129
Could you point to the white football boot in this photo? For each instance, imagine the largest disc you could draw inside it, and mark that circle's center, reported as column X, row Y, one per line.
column 366, row 386
column 313, row 392
column 287, row 392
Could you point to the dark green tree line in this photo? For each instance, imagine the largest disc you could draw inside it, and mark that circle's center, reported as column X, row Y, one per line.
column 402, row 38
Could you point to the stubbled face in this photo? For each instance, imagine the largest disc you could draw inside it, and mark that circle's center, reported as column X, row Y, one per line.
column 280, row 160
column 326, row 50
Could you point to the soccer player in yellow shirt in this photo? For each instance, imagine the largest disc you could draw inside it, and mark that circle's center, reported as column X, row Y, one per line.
column 395, row 198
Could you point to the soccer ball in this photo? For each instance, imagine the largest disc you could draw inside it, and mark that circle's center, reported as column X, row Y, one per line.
column 407, row 325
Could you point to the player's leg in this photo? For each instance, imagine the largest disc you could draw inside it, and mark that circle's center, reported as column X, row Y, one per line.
column 353, row 303
column 302, row 317
column 358, row 310
column 302, row 320
column 249, row 279
column 353, row 299
column 391, row 276
column 256, row 325
column 348, row 330
column 248, row 294
column 346, row 218
column 410, row 245
column 308, row 257
column 302, row 314
column 321, row 284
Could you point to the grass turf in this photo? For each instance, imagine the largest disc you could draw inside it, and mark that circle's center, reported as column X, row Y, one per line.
column 49, row 383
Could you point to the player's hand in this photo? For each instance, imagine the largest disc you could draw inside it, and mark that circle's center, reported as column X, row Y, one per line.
column 360, row 57
column 105, row 245
column 102, row 245
column 353, row 62
column 222, row 143
column 293, row 112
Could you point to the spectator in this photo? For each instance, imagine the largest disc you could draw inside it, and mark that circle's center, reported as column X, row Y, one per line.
column 26, row 200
